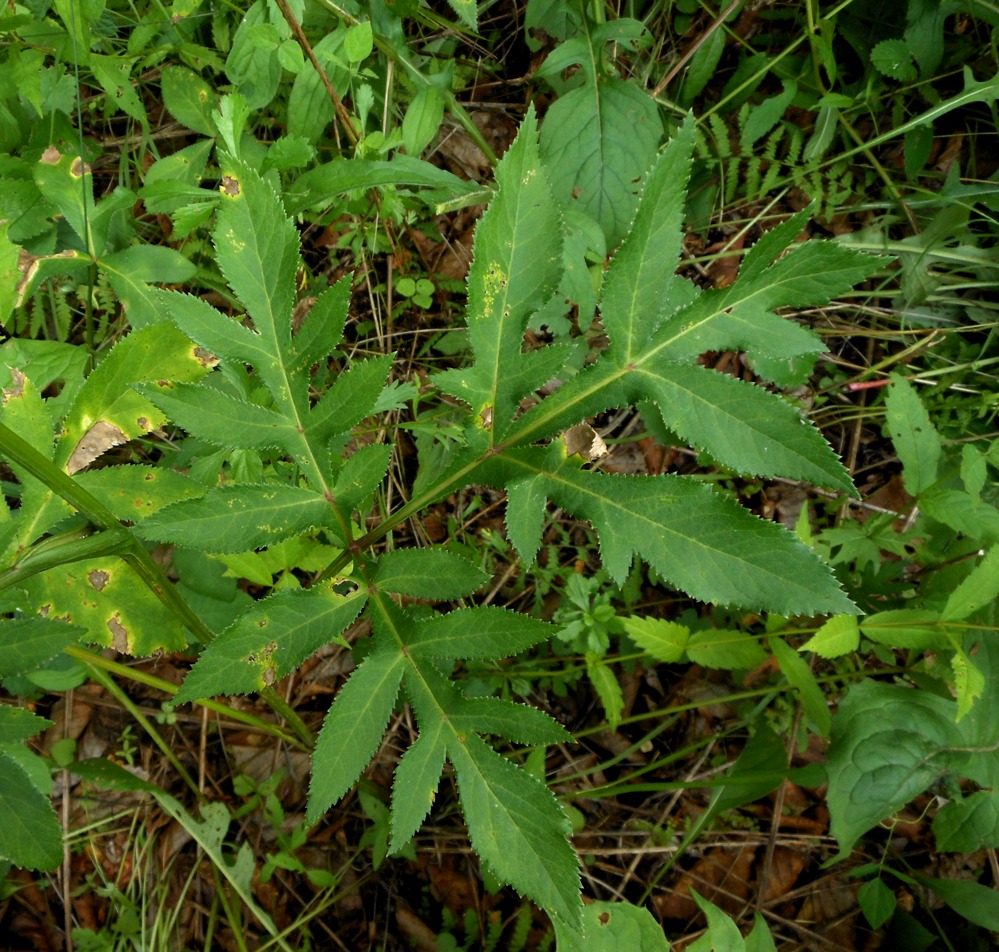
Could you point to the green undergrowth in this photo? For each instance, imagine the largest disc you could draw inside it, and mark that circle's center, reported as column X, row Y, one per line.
column 210, row 454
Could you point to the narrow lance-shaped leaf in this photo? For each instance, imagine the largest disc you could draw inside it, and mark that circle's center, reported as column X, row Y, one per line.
column 516, row 267
column 233, row 519
column 353, row 729
column 517, row 827
column 269, row 641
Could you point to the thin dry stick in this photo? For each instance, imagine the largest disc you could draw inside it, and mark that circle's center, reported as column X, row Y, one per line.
column 67, row 858
column 768, row 856
column 689, row 55
column 303, row 42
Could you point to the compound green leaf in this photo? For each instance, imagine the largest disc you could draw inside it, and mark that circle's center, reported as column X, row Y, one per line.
column 314, row 188
column 977, row 903
column 663, row 640
column 838, row 636
column 353, row 729
column 28, row 643
column 428, row 573
column 17, row 723
column 349, row 399
column 231, row 519
column 686, row 531
column 30, row 833
column 131, row 270
column 517, row 828
column 968, row 824
column 188, row 98
column 979, row 589
column 220, row 334
column 724, row 650
column 257, row 250
column 253, row 65
column 741, row 425
column 269, row 641
column 888, row 745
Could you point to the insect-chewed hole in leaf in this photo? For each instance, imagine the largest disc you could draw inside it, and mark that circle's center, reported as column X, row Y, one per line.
column 98, row 578
column 584, row 441
column 230, row 186
column 96, row 441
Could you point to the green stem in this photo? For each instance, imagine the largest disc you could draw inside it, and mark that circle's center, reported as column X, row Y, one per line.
column 112, row 687
column 92, row 659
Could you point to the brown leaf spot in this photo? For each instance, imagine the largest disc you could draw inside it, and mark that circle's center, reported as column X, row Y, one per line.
column 17, row 386
column 79, row 168
column 119, row 634
column 143, row 422
column 205, row 357
column 98, row 579
column 229, row 186
column 51, row 156
column 96, row 441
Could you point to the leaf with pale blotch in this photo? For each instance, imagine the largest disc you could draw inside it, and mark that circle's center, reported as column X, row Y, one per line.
column 233, row 519
column 269, row 641
column 256, row 248
column 107, row 411
column 517, row 266
column 111, row 602
column 428, row 573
